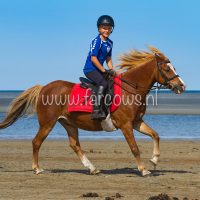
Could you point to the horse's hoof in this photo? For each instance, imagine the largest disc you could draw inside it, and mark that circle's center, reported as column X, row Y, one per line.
column 38, row 171
column 95, row 172
column 145, row 172
column 154, row 161
column 154, row 164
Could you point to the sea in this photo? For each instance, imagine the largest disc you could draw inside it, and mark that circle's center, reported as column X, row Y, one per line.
column 173, row 117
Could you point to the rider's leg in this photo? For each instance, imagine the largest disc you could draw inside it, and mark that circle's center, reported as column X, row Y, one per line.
column 98, row 78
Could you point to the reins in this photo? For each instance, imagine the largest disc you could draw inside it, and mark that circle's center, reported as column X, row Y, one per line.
column 154, row 87
column 136, row 86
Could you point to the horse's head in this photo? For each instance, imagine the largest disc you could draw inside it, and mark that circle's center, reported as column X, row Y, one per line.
column 166, row 74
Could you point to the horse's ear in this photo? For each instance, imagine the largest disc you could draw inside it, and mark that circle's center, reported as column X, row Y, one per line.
column 155, row 51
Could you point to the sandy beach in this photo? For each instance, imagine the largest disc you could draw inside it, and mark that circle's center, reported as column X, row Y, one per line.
column 178, row 172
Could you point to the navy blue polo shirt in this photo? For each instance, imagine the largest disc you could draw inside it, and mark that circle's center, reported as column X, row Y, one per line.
column 99, row 48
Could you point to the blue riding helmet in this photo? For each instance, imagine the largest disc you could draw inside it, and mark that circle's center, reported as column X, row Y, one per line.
column 105, row 20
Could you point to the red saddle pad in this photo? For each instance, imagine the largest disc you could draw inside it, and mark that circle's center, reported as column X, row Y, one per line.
column 80, row 100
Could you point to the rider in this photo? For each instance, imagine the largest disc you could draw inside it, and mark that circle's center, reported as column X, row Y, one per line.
column 100, row 51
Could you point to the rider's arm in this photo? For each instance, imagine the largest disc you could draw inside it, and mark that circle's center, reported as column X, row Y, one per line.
column 109, row 62
column 97, row 63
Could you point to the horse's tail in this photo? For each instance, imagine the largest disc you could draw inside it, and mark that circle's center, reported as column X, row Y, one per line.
column 20, row 104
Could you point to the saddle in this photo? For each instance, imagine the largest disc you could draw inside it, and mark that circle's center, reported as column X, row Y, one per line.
column 86, row 83
column 80, row 99
column 108, row 94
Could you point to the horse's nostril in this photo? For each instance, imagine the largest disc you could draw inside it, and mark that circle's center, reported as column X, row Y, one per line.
column 183, row 87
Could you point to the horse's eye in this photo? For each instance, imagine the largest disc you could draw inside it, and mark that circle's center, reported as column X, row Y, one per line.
column 167, row 68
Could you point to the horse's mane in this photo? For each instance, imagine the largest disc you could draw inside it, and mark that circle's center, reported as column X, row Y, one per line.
column 135, row 58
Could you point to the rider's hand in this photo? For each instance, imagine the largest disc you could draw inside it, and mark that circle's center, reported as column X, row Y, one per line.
column 110, row 72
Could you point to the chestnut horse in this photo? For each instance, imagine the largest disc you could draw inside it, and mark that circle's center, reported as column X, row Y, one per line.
column 143, row 69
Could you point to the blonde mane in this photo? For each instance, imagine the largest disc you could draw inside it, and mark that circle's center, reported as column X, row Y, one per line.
column 136, row 58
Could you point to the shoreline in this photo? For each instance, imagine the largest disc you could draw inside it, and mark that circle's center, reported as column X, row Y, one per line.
column 180, row 127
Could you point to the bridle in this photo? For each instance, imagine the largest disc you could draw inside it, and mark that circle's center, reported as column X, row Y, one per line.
column 165, row 85
column 165, row 78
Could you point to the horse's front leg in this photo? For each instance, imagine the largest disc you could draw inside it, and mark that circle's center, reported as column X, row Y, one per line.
column 142, row 127
column 127, row 130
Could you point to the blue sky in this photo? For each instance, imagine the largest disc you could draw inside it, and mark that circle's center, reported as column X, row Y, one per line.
column 46, row 40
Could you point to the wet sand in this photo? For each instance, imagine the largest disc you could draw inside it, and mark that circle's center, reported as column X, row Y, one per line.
column 177, row 174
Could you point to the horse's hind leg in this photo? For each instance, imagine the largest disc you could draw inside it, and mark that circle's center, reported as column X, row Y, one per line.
column 37, row 142
column 142, row 127
column 75, row 145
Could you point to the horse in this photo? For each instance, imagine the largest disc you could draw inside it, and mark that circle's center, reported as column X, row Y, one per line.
column 140, row 70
